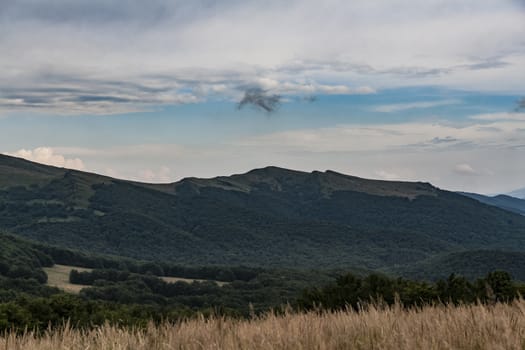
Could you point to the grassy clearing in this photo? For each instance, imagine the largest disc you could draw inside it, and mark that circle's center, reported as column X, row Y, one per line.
column 58, row 276
column 501, row 326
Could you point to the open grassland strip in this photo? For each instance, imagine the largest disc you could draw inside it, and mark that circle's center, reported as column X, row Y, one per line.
column 500, row 326
column 58, row 276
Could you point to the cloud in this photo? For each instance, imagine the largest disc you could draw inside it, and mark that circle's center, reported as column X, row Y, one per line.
column 387, row 175
column 521, row 104
column 324, row 89
column 260, row 99
column 69, row 95
column 499, row 116
column 310, row 99
column 411, row 136
column 408, row 71
column 110, row 172
column 442, row 140
column 162, row 175
column 101, row 57
column 465, row 169
column 157, row 174
column 309, row 87
column 398, row 107
column 46, row 155
column 135, row 13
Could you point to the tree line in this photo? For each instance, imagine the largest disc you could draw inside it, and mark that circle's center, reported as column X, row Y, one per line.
column 356, row 292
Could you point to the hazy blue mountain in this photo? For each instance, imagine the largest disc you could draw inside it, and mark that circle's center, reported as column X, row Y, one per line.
column 270, row 217
column 518, row 193
column 503, row 201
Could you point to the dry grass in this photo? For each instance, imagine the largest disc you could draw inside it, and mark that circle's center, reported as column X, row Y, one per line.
column 467, row 327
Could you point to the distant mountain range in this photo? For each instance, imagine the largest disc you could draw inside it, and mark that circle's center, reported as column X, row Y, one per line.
column 269, row 217
column 518, row 193
column 503, row 201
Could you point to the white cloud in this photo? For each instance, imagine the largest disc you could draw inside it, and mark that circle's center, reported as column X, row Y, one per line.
column 397, row 107
column 147, row 175
column 315, row 88
column 499, row 116
column 110, row 172
column 162, row 175
column 125, row 152
column 387, row 175
column 416, row 136
column 46, row 155
column 465, row 169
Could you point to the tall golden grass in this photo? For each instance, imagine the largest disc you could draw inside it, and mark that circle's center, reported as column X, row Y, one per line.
column 499, row 326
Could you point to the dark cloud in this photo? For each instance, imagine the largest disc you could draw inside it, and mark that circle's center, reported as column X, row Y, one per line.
column 447, row 142
column 260, row 99
column 488, row 64
column 408, row 71
column 441, row 140
column 310, row 99
column 99, row 98
column 74, row 95
column 521, row 104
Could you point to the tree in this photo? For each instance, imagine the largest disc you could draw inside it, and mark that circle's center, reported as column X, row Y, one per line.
column 500, row 282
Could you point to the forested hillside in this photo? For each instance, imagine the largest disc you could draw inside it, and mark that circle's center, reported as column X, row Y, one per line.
column 268, row 217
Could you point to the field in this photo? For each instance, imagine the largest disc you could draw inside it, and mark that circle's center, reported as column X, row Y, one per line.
column 58, row 276
column 501, row 326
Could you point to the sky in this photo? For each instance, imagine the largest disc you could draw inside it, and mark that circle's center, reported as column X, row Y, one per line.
column 160, row 90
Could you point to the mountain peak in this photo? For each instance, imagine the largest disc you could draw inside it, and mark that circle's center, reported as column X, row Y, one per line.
column 272, row 170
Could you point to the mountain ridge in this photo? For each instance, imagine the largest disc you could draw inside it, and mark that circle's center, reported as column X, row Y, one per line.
column 240, row 182
column 328, row 181
column 519, row 193
column 268, row 217
column 503, row 201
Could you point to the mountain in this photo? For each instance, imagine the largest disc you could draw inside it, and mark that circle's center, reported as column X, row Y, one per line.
column 509, row 203
column 518, row 193
column 270, row 217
